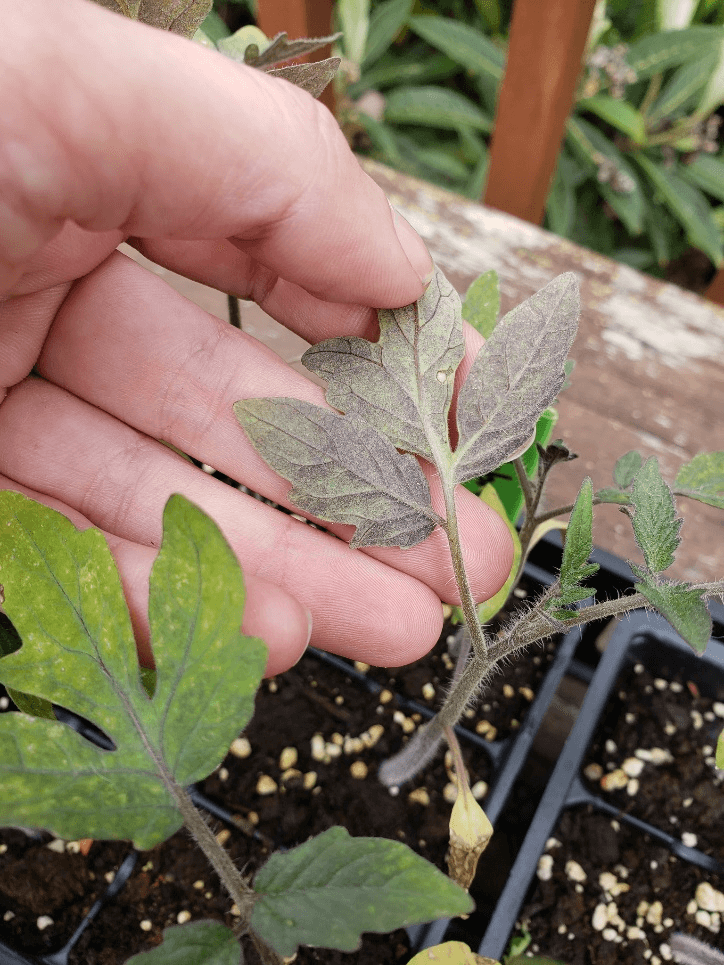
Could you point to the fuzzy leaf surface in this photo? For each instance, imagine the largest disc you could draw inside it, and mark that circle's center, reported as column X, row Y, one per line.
column 482, row 303
column 64, row 597
column 656, row 526
column 515, row 376
column 198, row 943
column 403, row 383
column 342, row 470
column 333, row 887
column 681, row 605
column 577, row 547
column 618, row 496
column 703, row 479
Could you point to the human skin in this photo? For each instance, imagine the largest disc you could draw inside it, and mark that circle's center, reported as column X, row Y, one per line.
column 112, row 131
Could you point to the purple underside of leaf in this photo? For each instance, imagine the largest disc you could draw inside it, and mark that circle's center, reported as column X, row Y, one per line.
column 515, row 376
column 403, row 383
column 342, row 470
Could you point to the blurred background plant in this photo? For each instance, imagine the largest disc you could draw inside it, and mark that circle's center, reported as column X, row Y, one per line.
column 640, row 176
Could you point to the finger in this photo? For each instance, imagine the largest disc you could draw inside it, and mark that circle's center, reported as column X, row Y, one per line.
column 270, row 613
column 120, row 480
column 182, row 390
column 114, row 125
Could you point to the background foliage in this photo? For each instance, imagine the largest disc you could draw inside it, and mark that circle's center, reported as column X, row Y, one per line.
column 640, row 177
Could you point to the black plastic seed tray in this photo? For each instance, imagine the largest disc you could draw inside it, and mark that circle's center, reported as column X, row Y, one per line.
column 641, row 637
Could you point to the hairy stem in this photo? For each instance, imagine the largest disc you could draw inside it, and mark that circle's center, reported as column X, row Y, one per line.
column 234, row 310
column 461, row 577
column 240, row 893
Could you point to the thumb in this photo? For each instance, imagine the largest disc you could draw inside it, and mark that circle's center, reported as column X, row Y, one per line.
column 115, row 125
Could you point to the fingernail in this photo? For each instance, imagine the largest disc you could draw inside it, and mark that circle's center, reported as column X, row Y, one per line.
column 414, row 247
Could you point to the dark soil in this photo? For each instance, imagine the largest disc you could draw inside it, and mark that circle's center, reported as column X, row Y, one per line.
column 311, row 703
column 654, row 895
column 680, row 791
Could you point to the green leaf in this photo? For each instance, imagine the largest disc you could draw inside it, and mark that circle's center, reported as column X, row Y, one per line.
column 506, row 481
column 214, row 27
column 342, row 470
column 434, row 107
column 681, row 605
column 688, row 205
column 515, row 376
column 64, row 596
column 577, row 547
column 657, row 52
column 488, row 609
column 405, row 67
column 386, row 22
column 246, row 42
column 466, row 46
column 626, row 468
column 332, row 888
column 403, row 383
column 720, row 752
column 706, row 173
column 482, row 303
column 616, row 178
column 703, row 479
column 683, row 89
column 199, row 943
column 618, row 113
column 617, row 496
column 656, row 526
column 579, row 541
column 354, row 22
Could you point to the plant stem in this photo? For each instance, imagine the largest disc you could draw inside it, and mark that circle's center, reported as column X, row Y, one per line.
column 564, row 510
column 241, row 894
column 461, row 577
column 526, row 486
column 234, row 311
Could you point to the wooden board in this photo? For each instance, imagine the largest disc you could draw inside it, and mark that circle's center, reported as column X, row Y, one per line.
column 649, row 356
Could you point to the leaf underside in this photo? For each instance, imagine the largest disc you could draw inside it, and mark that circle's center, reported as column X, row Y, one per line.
column 515, row 376
column 330, row 889
column 342, row 470
column 64, row 597
column 402, row 384
column 682, row 606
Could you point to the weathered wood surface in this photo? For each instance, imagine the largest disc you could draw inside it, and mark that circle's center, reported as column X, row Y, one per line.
column 649, row 357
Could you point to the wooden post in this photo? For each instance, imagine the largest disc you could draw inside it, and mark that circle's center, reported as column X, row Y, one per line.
column 299, row 18
column 715, row 291
column 547, row 42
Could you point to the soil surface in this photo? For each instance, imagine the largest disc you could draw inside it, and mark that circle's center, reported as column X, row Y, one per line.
column 313, row 749
column 615, row 896
column 653, row 756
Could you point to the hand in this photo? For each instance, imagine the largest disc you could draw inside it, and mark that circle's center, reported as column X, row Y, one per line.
column 110, row 131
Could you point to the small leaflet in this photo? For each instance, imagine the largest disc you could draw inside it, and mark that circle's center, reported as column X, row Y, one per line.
column 624, row 472
column 403, row 383
column 577, row 547
column 703, row 479
column 64, row 597
column 342, row 470
column 330, row 889
column 515, row 376
column 680, row 604
column 653, row 514
column 312, row 78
